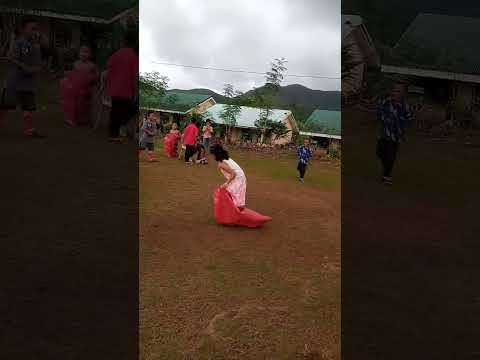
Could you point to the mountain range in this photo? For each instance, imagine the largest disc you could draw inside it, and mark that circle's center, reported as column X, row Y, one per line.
column 293, row 97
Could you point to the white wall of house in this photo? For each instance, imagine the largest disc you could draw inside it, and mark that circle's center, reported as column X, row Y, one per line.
column 237, row 133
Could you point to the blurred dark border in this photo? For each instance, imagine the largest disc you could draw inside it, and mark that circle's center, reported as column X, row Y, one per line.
column 69, row 208
column 409, row 264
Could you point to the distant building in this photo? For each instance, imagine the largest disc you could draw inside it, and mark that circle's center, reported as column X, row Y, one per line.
column 324, row 126
column 245, row 128
column 175, row 104
column 358, row 42
column 438, row 53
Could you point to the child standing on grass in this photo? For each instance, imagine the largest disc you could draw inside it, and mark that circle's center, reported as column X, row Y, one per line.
column 149, row 131
column 304, row 153
column 25, row 63
column 190, row 141
column 207, row 132
column 201, row 152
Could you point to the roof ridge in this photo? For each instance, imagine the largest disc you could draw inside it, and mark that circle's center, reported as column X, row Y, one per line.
column 448, row 16
column 256, row 108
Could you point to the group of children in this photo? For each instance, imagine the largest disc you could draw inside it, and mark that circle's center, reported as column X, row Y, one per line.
column 116, row 87
column 80, row 87
column 192, row 143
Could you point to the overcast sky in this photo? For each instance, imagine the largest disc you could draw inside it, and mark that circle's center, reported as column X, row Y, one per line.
column 241, row 35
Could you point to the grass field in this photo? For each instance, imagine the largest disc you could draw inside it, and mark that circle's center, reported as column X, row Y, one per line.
column 214, row 292
column 69, row 239
column 408, row 250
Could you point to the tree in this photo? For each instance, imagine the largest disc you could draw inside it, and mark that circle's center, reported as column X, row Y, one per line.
column 265, row 97
column 278, row 128
column 188, row 119
column 231, row 110
column 152, row 84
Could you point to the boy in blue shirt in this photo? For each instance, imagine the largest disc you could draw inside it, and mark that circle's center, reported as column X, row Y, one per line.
column 25, row 62
column 304, row 153
column 394, row 115
column 149, row 131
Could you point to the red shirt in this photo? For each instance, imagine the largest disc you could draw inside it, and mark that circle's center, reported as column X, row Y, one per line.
column 122, row 76
column 190, row 135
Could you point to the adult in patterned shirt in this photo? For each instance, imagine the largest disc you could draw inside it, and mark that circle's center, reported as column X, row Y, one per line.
column 394, row 115
column 304, row 153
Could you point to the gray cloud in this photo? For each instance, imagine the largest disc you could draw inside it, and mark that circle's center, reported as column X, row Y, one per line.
column 241, row 34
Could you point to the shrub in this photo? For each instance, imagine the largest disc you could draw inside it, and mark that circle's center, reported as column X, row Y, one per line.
column 334, row 151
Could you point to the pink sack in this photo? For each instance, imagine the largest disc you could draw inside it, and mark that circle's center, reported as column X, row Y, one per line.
column 226, row 213
column 170, row 145
column 75, row 96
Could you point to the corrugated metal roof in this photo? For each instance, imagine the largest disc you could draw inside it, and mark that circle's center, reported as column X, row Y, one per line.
column 439, row 42
column 324, row 122
column 99, row 9
column 316, row 134
column 248, row 116
column 173, row 101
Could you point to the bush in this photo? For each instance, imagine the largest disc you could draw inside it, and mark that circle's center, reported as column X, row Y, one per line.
column 299, row 139
column 334, row 151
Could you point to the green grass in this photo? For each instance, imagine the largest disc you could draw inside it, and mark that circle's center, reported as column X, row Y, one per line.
column 431, row 169
column 320, row 174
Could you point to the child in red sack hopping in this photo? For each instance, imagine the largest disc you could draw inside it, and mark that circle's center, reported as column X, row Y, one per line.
column 149, row 131
column 171, row 141
column 229, row 199
column 236, row 183
column 78, row 88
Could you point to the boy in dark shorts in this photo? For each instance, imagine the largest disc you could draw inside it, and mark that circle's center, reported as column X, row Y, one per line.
column 304, row 153
column 149, row 131
column 25, row 61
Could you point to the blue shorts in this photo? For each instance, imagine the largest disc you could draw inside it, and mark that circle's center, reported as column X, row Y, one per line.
column 147, row 145
column 206, row 143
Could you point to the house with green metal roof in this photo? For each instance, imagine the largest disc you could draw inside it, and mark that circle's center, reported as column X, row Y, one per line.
column 245, row 123
column 324, row 124
column 66, row 24
column 95, row 11
column 175, row 102
column 438, row 52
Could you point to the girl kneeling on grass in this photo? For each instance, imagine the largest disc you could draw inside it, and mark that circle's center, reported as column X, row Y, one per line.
column 236, row 183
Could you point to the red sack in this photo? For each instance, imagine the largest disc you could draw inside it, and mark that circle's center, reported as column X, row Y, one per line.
column 68, row 100
column 75, row 96
column 226, row 213
column 170, row 145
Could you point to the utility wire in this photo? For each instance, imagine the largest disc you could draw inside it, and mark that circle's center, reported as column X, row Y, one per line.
column 244, row 71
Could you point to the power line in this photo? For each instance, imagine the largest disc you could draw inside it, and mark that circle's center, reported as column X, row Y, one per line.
column 244, row 71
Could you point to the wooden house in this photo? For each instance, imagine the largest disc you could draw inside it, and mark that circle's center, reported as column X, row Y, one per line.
column 175, row 105
column 357, row 41
column 245, row 129
column 324, row 126
column 66, row 24
column 438, row 53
